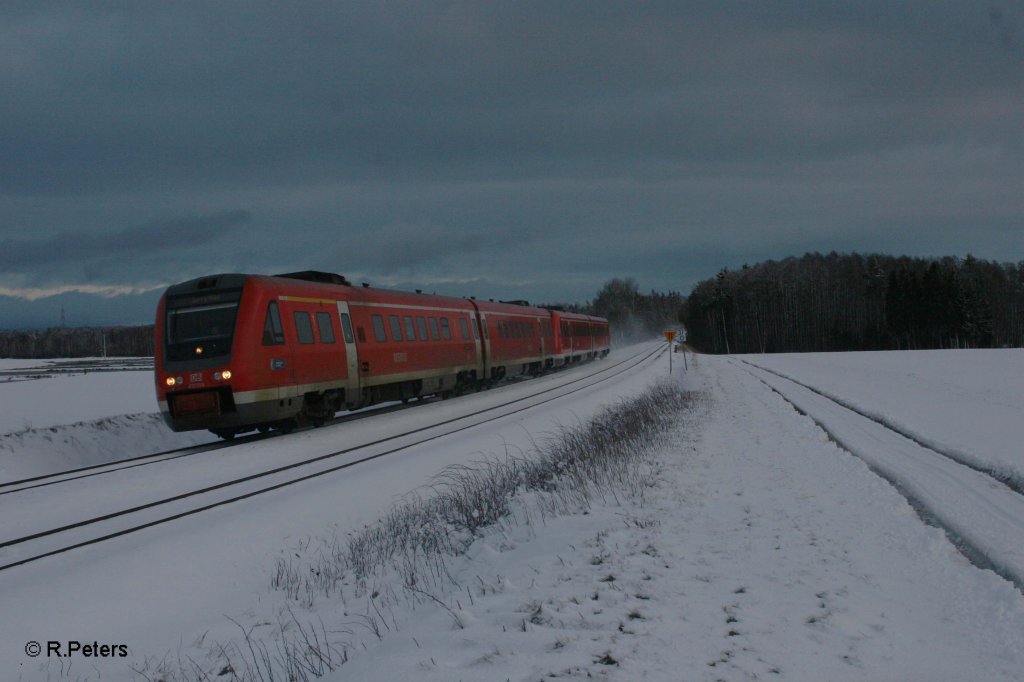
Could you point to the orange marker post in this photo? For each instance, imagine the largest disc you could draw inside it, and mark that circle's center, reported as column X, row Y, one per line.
column 669, row 334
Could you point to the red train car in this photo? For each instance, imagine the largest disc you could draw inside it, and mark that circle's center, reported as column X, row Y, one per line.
column 578, row 337
column 238, row 352
column 517, row 338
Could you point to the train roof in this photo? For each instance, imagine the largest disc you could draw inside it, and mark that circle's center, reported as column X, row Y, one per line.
column 329, row 285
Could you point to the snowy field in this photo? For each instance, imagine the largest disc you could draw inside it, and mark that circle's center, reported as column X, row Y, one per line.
column 761, row 549
column 963, row 401
column 55, row 418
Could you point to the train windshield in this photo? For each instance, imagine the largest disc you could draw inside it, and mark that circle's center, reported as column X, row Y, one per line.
column 201, row 327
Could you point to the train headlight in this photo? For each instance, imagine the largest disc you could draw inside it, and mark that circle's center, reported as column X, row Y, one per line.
column 179, row 381
column 225, row 375
column 199, row 350
column 170, row 381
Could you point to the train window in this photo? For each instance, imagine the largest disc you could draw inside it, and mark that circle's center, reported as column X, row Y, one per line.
column 396, row 328
column 465, row 328
column 362, row 334
column 346, row 328
column 446, row 330
column 410, row 328
column 500, row 329
column 273, row 334
column 434, row 334
column 326, row 327
column 303, row 326
column 378, row 328
column 421, row 326
column 476, row 331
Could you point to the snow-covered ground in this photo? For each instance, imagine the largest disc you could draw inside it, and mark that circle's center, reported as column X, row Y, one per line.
column 42, row 399
column 966, row 402
column 761, row 551
column 58, row 420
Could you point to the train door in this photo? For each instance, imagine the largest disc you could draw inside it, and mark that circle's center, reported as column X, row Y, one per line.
column 478, row 341
column 541, row 334
column 352, row 389
column 485, row 344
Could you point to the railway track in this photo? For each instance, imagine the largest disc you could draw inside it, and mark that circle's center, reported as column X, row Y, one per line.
column 981, row 511
column 68, row 475
column 75, row 474
column 57, row 538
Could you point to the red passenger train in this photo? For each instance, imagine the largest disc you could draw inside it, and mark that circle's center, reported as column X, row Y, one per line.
column 234, row 353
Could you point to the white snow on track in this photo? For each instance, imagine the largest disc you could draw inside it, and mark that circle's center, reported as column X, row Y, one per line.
column 762, row 551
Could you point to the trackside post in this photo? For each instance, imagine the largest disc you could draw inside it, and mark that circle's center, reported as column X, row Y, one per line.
column 669, row 334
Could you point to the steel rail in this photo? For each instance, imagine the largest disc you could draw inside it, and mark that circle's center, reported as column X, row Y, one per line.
column 55, row 478
column 636, row 360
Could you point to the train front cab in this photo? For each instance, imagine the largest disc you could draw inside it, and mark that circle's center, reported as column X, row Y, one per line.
column 212, row 372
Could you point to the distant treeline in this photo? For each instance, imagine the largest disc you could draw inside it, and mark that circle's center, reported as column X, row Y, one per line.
column 77, row 342
column 856, row 302
column 632, row 315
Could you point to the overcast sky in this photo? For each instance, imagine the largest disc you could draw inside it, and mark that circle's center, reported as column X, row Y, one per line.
column 499, row 149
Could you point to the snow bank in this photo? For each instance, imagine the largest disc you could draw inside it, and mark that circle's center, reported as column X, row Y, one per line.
column 53, row 422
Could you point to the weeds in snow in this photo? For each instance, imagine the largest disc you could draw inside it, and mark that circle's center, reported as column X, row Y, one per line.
column 405, row 554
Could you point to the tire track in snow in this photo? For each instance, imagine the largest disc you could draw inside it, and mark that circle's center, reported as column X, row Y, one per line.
column 982, row 516
column 1008, row 479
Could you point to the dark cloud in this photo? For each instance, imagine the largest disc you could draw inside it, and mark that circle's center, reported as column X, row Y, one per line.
column 482, row 143
column 1008, row 30
column 141, row 94
column 152, row 240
